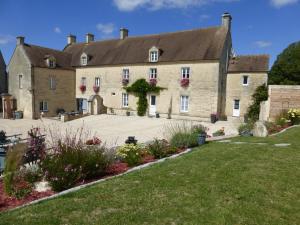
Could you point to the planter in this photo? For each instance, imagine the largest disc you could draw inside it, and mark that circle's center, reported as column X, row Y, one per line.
column 157, row 115
column 153, row 82
column 82, row 88
column 213, row 118
column 96, row 89
column 127, row 113
column 185, row 82
column 201, row 139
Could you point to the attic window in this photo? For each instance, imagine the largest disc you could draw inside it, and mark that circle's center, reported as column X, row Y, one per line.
column 153, row 54
column 51, row 62
column 84, row 59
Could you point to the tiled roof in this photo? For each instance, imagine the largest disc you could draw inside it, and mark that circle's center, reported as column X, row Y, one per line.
column 249, row 63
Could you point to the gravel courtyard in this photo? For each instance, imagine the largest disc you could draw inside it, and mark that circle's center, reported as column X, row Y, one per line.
column 112, row 129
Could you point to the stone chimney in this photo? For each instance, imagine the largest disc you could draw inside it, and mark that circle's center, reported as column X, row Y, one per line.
column 71, row 39
column 89, row 38
column 20, row 40
column 123, row 33
column 226, row 20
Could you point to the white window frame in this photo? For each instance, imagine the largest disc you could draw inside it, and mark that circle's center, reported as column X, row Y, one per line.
column 44, row 105
column 243, row 79
column 52, row 63
column 84, row 59
column 125, row 100
column 97, row 81
column 83, row 81
column 154, row 56
column 185, row 72
column 52, row 83
column 20, row 79
column 125, row 74
column 184, row 103
column 153, row 73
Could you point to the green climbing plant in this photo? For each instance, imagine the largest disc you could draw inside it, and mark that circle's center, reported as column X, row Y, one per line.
column 140, row 89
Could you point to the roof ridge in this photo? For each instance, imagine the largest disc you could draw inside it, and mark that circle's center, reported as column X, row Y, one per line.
column 251, row 55
column 46, row 48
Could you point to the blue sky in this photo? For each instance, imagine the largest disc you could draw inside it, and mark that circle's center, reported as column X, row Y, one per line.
column 259, row 26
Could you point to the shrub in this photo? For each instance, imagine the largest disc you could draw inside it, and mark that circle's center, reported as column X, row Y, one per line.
column 36, row 146
column 246, row 129
column 220, row 132
column 14, row 182
column 160, row 148
column 130, row 153
column 2, row 136
column 71, row 164
column 199, row 129
column 260, row 94
column 31, row 173
column 294, row 116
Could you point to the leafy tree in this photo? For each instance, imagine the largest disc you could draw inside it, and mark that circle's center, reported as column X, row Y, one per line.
column 260, row 94
column 286, row 69
column 141, row 88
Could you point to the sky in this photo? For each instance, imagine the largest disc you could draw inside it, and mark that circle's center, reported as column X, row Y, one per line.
column 258, row 26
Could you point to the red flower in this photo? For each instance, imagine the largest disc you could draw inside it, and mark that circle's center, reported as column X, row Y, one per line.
column 82, row 88
column 153, row 81
column 96, row 88
column 185, row 82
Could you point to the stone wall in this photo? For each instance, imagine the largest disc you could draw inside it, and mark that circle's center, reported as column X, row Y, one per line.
column 281, row 97
column 203, row 90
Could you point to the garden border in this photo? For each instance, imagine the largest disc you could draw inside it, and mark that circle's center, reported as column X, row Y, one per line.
column 99, row 181
column 284, row 130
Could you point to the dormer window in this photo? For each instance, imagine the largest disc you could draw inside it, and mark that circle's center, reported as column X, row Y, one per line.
column 153, row 54
column 84, row 59
column 51, row 62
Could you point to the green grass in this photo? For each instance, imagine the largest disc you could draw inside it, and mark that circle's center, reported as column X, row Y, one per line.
column 220, row 183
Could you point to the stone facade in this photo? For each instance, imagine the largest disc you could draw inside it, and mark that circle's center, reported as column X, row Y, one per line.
column 237, row 90
column 30, row 85
column 3, row 77
column 281, row 97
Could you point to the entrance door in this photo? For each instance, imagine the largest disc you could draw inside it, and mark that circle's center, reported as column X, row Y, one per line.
column 236, row 108
column 152, row 109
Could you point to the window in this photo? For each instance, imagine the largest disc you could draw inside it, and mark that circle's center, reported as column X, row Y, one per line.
column 52, row 63
column 236, row 104
column 153, row 73
column 185, row 73
column 83, row 81
column 52, row 83
column 126, row 74
column 44, row 106
column 84, row 59
column 154, row 56
column 245, row 80
column 124, row 100
column 184, row 103
column 97, row 81
column 20, row 81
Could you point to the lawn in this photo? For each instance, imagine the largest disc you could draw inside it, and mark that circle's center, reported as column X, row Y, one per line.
column 220, row 183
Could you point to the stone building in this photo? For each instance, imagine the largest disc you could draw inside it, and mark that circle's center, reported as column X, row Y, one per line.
column 41, row 80
column 191, row 65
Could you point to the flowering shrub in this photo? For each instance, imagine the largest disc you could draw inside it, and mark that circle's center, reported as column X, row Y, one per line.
column 220, row 132
column 82, row 88
column 94, row 141
column 125, row 81
column 294, row 116
column 117, row 168
column 161, row 148
column 130, row 153
column 185, row 82
column 36, row 146
column 153, row 81
column 96, row 88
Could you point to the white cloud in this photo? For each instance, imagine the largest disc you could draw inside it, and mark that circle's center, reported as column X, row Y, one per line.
column 130, row 5
column 57, row 30
column 106, row 29
column 263, row 44
column 5, row 39
column 204, row 17
column 281, row 3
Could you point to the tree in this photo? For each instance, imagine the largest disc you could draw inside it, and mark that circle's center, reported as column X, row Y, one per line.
column 286, row 69
column 141, row 88
column 260, row 95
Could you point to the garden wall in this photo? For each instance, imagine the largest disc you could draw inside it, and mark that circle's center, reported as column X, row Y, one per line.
column 281, row 97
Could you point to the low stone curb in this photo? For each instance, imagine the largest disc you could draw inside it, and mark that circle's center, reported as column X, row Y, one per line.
column 284, row 130
column 219, row 138
column 99, row 181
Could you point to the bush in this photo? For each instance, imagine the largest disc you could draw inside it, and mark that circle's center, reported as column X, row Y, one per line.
column 2, row 136
column 160, row 148
column 294, row 116
column 218, row 133
column 71, row 164
column 246, row 129
column 36, row 146
column 260, row 95
column 130, row 153
column 14, row 181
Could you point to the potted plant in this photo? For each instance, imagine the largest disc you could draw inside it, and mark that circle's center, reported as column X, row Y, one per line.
column 185, row 82
column 82, row 88
column 153, row 81
column 125, row 81
column 213, row 117
column 96, row 88
column 127, row 113
column 202, row 133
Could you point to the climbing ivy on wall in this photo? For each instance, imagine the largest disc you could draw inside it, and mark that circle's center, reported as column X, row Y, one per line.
column 140, row 89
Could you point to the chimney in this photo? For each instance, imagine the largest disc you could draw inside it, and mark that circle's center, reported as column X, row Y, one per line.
column 226, row 20
column 123, row 33
column 71, row 39
column 89, row 38
column 20, row 40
